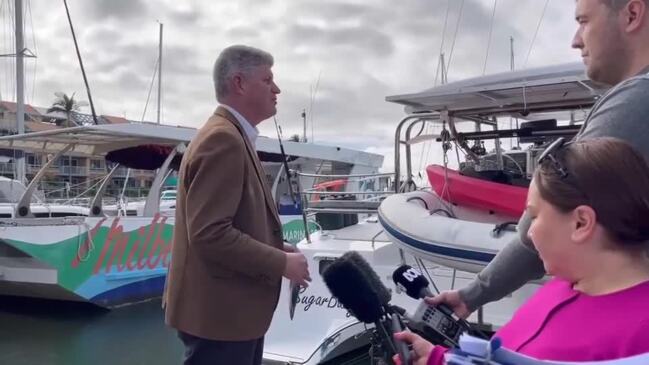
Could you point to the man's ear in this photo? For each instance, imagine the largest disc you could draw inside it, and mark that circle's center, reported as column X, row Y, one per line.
column 238, row 83
column 634, row 14
column 584, row 223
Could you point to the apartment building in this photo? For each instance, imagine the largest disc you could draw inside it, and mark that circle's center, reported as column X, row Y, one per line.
column 72, row 174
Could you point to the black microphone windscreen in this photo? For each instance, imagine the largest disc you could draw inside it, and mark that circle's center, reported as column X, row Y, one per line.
column 375, row 282
column 411, row 280
column 350, row 285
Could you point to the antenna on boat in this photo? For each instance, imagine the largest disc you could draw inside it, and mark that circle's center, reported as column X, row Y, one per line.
column 304, row 125
column 285, row 162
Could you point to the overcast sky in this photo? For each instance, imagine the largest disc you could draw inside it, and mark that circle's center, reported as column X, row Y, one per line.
column 336, row 59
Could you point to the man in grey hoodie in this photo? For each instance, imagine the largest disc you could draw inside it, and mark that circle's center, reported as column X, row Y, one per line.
column 613, row 37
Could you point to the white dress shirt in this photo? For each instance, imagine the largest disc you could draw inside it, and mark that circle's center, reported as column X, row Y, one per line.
column 251, row 131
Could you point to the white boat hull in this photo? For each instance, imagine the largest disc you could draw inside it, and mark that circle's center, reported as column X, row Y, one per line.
column 321, row 329
column 464, row 241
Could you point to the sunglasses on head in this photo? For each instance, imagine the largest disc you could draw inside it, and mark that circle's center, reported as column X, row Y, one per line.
column 548, row 154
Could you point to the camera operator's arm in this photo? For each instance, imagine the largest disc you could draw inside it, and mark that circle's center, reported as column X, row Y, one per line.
column 514, row 266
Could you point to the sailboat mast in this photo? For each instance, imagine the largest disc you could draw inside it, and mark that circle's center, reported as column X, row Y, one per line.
column 160, row 72
column 20, row 88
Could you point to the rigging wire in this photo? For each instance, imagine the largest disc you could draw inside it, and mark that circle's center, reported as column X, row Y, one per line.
column 491, row 28
column 148, row 97
column 31, row 23
column 2, row 5
column 12, row 38
column 10, row 44
column 538, row 26
column 457, row 28
column 314, row 91
column 441, row 46
column 83, row 71
column 423, row 147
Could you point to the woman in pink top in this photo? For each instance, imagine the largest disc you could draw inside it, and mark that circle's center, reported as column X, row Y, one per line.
column 589, row 203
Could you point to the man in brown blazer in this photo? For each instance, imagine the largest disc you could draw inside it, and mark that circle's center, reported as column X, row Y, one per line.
column 228, row 255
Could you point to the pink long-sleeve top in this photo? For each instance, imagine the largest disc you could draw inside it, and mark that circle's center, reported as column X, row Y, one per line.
column 559, row 323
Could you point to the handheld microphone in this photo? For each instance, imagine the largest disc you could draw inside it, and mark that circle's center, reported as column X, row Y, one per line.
column 358, row 288
column 412, row 282
column 416, row 286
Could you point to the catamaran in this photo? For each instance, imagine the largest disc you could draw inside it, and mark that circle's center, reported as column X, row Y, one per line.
column 117, row 260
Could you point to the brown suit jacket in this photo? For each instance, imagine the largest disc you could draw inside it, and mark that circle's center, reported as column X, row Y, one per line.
column 227, row 260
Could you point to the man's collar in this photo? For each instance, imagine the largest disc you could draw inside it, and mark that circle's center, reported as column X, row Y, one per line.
column 251, row 131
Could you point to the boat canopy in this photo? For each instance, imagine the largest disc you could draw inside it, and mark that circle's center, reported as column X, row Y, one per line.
column 99, row 140
column 543, row 89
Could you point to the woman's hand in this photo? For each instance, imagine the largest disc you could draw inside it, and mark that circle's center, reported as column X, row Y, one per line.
column 421, row 348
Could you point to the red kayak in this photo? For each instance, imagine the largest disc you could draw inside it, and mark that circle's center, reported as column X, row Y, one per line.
column 477, row 193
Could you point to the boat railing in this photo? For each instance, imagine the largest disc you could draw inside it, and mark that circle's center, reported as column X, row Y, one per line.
column 361, row 194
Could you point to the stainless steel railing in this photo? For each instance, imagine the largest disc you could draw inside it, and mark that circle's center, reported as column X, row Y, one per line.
column 360, row 194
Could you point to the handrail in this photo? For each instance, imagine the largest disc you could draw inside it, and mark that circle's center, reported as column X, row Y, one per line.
column 320, row 192
column 398, row 142
column 367, row 204
column 23, row 208
column 382, row 174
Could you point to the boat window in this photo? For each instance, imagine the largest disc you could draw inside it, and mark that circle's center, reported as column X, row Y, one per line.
column 168, row 195
column 57, row 215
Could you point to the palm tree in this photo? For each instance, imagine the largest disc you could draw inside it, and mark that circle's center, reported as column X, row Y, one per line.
column 65, row 105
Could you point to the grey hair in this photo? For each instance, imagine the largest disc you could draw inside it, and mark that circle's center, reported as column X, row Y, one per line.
column 617, row 5
column 237, row 58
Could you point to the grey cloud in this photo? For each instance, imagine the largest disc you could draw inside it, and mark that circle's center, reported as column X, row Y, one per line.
column 243, row 33
column 184, row 60
column 102, row 37
column 362, row 101
column 331, row 10
column 131, row 80
column 117, row 9
column 351, row 40
column 185, row 17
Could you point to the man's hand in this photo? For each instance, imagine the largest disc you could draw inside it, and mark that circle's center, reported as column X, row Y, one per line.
column 421, row 348
column 290, row 248
column 453, row 300
column 297, row 269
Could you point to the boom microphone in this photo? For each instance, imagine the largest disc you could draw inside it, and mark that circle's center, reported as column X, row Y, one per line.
column 352, row 288
column 359, row 289
column 372, row 277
